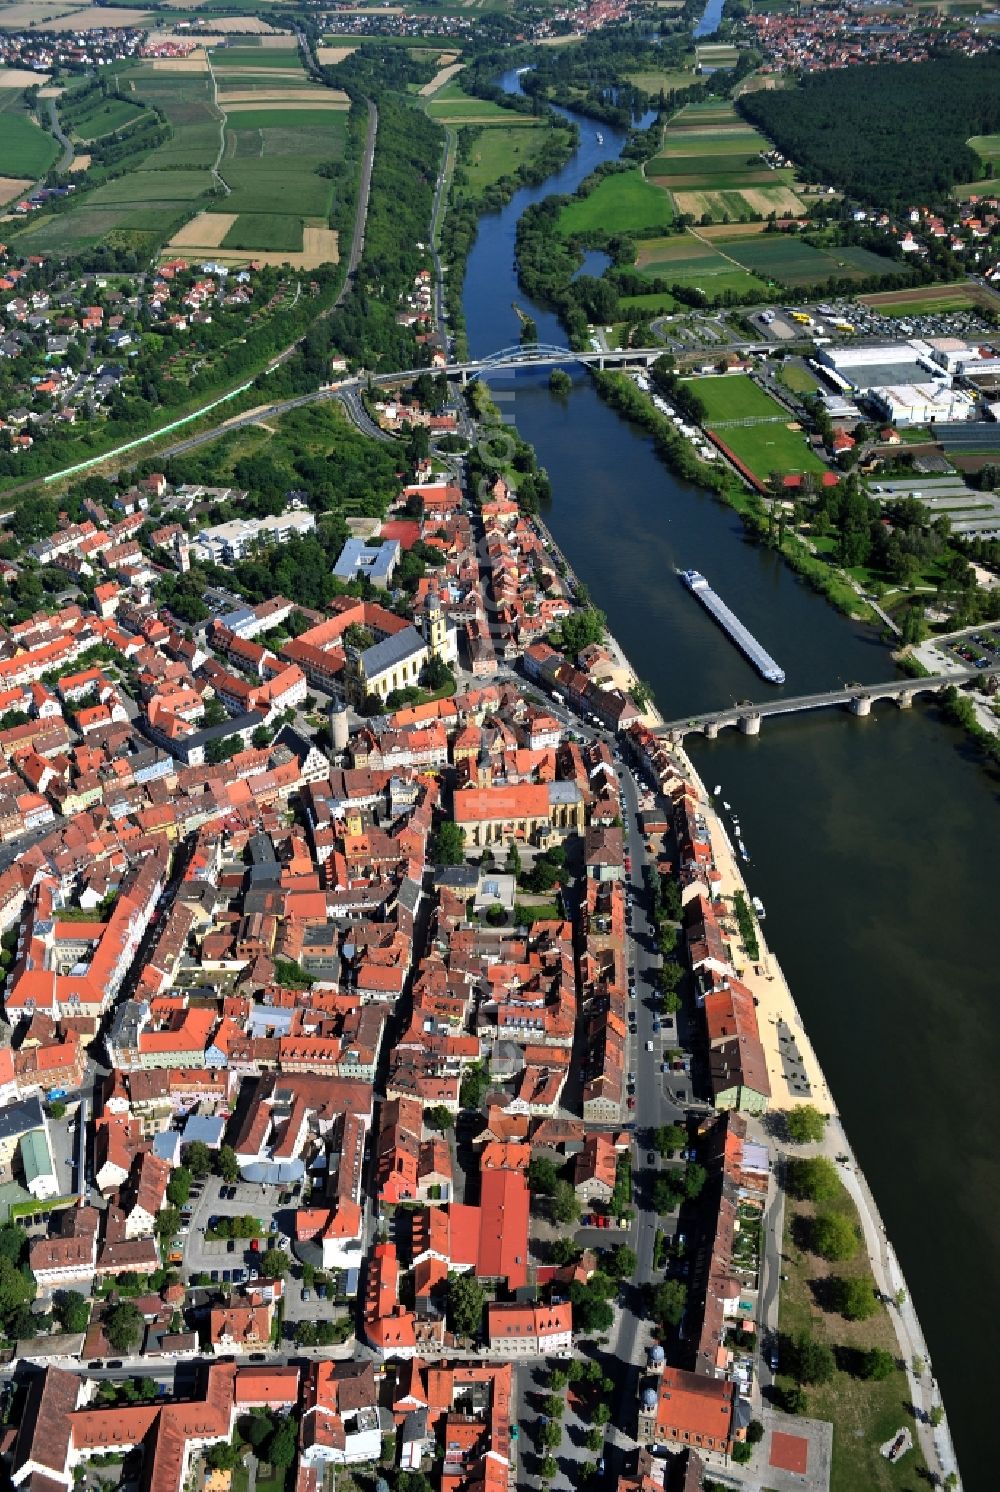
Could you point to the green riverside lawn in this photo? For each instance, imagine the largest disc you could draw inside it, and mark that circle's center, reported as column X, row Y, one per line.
column 864, row 1414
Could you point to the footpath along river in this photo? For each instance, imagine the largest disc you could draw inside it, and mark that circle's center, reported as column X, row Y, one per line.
column 871, row 841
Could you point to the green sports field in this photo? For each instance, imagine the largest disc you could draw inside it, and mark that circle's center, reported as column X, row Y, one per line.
column 766, row 448
column 734, row 396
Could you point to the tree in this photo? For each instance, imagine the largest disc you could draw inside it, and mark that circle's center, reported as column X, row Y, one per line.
column 669, row 1137
column 122, row 1325
column 834, row 1237
column 413, row 1481
column 542, row 1175
column 695, row 1177
column 283, row 1445
column 167, row 1222
column 666, row 1193
column 274, row 1264
column 853, row 1298
column 439, row 1118
column 555, row 1406
column 227, row 1164
column 261, row 737
column 813, row 1180
column 805, row 1125
column 552, row 1434
column 812, row 1361
column 622, row 1262
column 255, row 1429
column 793, row 1399
column 563, row 1251
column 755, row 1432
column 306, row 1333
column 221, row 1457
column 877, row 1364
column 549, row 1468
column 475, row 1082
column 308, row 1276
column 565, row 1203
column 179, row 1186
column 72, row 1310
column 447, row 846
column 198, row 1160
column 57, row 1110
column 13, row 1243
column 936, row 1415
column 594, row 1439
column 669, row 1301
column 466, row 1303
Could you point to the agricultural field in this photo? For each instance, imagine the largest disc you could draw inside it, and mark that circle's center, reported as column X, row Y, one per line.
column 98, row 117
column 932, row 300
column 710, row 160
column 272, row 141
column 281, row 131
column 789, row 261
column 272, row 232
column 687, row 260
column 26, row 150
column 655, row 303
column 450, row 105
column 625, row 202
column 186, row 101
column 717, row 54
column 663, row 79
column 986, row 146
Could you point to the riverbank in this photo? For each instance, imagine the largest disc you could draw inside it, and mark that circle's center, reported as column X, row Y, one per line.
column 796, row 1078
column 721, row 479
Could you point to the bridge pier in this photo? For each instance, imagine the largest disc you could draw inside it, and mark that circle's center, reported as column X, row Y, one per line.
column 861, row 704
column 750, row 725
column 905, row 701
column 712, row 729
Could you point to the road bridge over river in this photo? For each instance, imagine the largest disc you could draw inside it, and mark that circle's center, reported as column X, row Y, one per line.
column 858, row 698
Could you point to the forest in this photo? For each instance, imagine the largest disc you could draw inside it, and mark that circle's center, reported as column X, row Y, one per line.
column 893, row 135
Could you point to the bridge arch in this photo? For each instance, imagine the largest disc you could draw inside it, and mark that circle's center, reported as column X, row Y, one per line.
column 524, row 354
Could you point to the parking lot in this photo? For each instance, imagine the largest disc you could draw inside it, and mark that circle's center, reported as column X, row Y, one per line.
column 214, row 1198
column 831, row 318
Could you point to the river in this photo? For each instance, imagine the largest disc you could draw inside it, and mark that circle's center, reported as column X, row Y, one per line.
column 871, row 840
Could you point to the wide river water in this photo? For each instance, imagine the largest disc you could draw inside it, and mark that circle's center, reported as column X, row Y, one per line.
column 871, row 841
